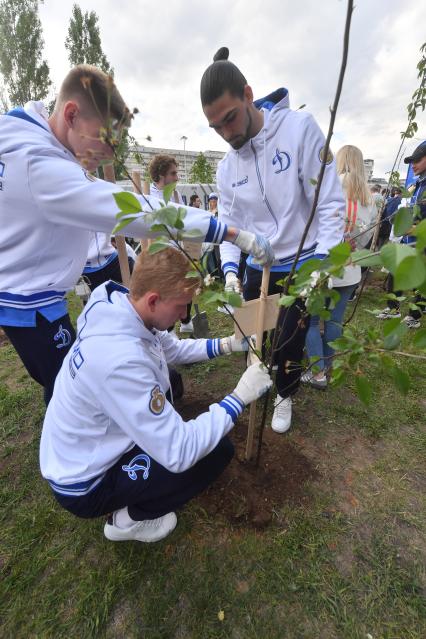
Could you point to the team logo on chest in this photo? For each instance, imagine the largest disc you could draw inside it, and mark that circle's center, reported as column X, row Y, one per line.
column 157, row 401
column 281, row 160
column 64, row 335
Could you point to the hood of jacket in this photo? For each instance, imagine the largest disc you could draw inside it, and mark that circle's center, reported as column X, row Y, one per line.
column 28, row 127
column 109, row 313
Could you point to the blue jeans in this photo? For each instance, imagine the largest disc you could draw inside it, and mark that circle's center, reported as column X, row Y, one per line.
column 317, row 345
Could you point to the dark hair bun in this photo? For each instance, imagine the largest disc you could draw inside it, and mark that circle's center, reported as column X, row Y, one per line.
column 221, row 54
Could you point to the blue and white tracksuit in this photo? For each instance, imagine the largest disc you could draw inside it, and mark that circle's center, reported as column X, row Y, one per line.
column 267, row 186
column 110, row 396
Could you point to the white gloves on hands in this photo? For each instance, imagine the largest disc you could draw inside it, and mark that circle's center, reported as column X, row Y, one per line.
column 256, row 245
column 232, row 283
column 233, row 345
column 254, row 382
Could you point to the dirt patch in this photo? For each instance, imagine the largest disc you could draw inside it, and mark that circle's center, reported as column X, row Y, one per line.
column 249, row 495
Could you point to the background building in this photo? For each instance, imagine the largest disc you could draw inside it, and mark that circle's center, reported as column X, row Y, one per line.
column 184, row 158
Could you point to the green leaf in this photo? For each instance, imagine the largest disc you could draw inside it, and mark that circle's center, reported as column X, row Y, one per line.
column 403, row 221
column 339, row 254
column 392, row 255
column 363, row 389
column 419, row 340
column 286, row 300
column 127, row 202
column 156, row 247
column 393, row 330
column 191, row 274
column 168, row 191
column 401, row 379
column 120, row 226
column 338, row 377
column 155, row 228
column 313, row 182
column 167, row 215
column 410, row 273
column 192, row 233
column 364, row 257
column 420, row 232
column 233, row 299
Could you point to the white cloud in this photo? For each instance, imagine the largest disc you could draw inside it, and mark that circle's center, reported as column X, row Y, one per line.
column 159, row 52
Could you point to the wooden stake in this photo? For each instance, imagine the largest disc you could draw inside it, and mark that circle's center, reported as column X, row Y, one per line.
column 139, row 188
column 259, row 339
column 120, row 241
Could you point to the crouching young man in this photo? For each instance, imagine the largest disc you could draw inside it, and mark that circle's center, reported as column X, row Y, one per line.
column 112, row 443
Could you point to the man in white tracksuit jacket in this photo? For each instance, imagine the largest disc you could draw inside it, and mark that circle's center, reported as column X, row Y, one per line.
column 49, row 204
column 111, row 441
column 265, row 182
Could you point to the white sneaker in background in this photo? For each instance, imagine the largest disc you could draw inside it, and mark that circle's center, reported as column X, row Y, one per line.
column 411, row 322
column 148, row 531
column 388, row 313
column 186, row 328
column 281, row 420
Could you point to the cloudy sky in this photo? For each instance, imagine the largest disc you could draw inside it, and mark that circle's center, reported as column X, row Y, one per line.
column 160, row 50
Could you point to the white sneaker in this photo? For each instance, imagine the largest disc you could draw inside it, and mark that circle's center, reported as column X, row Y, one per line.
column 186, row 328
column 281, row 420
column 411, row 322
column 148, row 530
column 388, row 313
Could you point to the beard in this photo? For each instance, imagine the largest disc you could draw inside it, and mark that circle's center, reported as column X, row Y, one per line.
column 240, row 140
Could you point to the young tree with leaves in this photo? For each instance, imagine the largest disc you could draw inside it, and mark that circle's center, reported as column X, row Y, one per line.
column 83, row 42
column 201, row 171
column 26, row 74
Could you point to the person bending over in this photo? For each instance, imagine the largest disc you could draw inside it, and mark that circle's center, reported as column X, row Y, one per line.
column 111, row 441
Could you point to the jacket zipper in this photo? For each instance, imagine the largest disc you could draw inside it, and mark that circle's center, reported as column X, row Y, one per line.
column 262, row 190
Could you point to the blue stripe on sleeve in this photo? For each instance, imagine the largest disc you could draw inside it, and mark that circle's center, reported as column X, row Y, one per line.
column 216, row 232
column 230, row 267
column 213, row 347
column 233, row 406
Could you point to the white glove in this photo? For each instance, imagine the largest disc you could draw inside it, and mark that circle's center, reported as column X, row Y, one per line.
column 233, row 345
column 256, row 245
column 254, row 382
column 232, row 283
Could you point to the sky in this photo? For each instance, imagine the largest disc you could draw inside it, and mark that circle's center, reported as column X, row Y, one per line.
column 159, row 52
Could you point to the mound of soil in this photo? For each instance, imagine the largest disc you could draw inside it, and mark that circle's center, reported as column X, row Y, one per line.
column 246, row 494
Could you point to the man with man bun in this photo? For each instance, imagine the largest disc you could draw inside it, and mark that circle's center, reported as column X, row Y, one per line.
column 265, row 182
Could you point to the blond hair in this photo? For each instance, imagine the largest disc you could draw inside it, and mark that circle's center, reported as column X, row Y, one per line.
column 350, row 164
column 164, row 273
column 96, row 93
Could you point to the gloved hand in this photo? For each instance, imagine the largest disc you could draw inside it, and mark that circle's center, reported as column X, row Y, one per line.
column 254, row 382
column 233, row 345
column 232, row 283
column 256, row 245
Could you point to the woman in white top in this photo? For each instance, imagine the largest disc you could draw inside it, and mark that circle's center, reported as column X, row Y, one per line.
column 361, row 213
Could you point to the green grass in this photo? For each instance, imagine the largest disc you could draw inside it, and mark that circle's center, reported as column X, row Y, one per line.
column 348, row 563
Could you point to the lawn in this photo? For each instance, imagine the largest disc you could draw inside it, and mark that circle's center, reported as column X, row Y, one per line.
column 345, row 560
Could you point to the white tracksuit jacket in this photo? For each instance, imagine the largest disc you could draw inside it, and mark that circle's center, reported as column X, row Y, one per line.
column 265, row 187
column 48, row 206
column 109, row 395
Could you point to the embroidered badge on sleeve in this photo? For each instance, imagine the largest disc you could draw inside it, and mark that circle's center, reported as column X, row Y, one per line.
column 157, row 401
